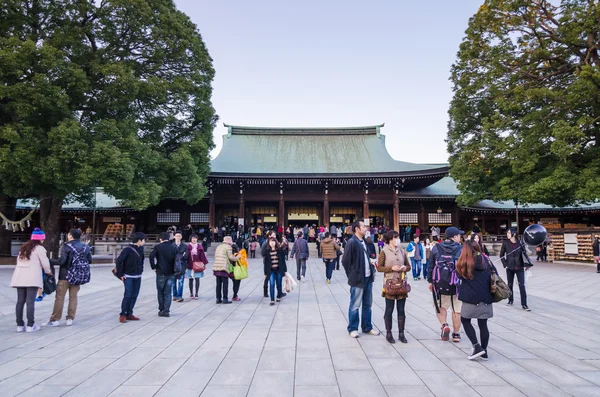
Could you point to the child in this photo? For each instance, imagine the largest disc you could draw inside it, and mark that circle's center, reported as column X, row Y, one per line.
column 253, row 249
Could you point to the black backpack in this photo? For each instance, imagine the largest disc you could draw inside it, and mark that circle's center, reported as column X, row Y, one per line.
column 444, row 278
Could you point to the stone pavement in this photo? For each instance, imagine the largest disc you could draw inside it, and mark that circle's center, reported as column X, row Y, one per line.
column 300, row 347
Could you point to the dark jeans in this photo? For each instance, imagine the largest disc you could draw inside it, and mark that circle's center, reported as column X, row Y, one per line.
column 236, row 287
column 300, row 267
column 178, row 287
column 266, row 286
column 389, row 308
column 470, row 331
column 26, row 295
column 164, row 285
column 510, row 276
column 336, row 261
column 275, row 279
column 132, row 290
column 222, row 286
column 329, row 266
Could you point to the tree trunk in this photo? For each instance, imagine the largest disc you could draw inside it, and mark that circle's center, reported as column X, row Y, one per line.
column 50, row 211
column 8, row 208
column 517, row 214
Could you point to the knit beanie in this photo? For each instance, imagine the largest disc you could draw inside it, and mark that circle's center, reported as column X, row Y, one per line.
column 38, row 234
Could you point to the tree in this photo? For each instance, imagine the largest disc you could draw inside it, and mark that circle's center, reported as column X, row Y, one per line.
column 113, row 93
column 525, row 116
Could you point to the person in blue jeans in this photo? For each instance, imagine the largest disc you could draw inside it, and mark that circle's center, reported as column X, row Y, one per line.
column 275, row 267
column 182, row 253
column 361, row 274
column 130, row 266
column 162, row 261
column 416, row 253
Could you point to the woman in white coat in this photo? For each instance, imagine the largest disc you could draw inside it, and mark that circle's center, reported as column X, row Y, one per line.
column 27, row 278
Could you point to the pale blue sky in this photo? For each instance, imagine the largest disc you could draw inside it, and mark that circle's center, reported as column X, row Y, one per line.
column 336, row 63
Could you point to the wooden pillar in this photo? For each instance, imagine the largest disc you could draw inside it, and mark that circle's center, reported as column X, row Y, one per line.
column 422, row 220
column 396, row 216
column 482, row 224
column 456, row 217
column 326, row 216
column 211, row 212
column 242, row 209
column 366, row 206
column 281, row 214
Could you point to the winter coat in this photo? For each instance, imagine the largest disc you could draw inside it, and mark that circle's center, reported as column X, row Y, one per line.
column 199, row 257
column 162, row 258
column 388, row 258
column 514, row 256
column 329, row 248
column 410, row 249
column 130, row 261
column 280, row 259
column 476, row 290
column 28, row 273
column 354, row 264
column 222, row 253
column 300, row 249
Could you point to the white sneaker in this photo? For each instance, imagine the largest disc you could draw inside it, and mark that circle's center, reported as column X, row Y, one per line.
column 354, row 334
column 50, row 324
column 373, row 332
column 34, row 328
column 20, row 328
column 69, row 322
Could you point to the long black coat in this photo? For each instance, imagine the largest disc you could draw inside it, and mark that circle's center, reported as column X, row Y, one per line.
column 281, row 259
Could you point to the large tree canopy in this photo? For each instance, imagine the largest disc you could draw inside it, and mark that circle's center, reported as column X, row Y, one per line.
column 102, row 93
column 525, row 117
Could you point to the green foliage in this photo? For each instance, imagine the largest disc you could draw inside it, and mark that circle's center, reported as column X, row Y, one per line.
column 524, row 119
column 113, row 93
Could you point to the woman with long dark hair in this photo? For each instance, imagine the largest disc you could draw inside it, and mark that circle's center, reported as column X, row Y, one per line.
column 474, row 272
column 274, row 267
column 27, row 278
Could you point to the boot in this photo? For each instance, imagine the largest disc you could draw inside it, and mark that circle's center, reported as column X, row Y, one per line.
column 401, row 321
column 388, row 330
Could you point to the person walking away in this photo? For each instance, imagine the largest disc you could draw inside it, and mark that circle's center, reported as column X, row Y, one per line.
column 338, row 253
column 516, row 261
column 264, row 251
column 196, row 264
column 274, row 268
column 300, row 250
column 393, row 262
column 76, row 255
column 416, row 253
column 223, row 257
column 596, row 252
column 407, row 233
column 474, row 271
column 329, row 248
column 285, row 246
column 441, row 275
column 130, row 266
column 162, row 261
column 318, row 244
column 242, row 261
column 253, row 245
column 27, row 278
column 425, row 260
column 361, row 274
column 182, row 254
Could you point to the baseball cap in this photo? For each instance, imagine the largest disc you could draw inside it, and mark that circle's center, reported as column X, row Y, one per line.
column 453, row 231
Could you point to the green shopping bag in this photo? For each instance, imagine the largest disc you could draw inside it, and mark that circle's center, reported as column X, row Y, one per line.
column 240, row 272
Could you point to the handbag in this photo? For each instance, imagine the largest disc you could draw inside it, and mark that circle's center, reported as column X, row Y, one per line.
column 49, row 284
column 397, row 287
column 198, row 267
column 240, row 272
column 498, row 287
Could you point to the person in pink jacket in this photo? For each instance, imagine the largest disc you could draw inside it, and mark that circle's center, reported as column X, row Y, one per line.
column 27, row 278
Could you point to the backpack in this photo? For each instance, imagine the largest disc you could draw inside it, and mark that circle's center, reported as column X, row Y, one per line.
column 79, row 272
column 178, row 270
column 444, row 278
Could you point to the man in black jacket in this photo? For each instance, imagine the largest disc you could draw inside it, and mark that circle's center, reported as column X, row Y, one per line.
column 300, row 249
column 516, row 261
column 68, row 253
column 130, row 265
column 361, row 274
column 182, row 253
column 162, row 261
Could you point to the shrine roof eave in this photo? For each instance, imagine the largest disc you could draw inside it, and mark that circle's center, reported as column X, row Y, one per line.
column 434, row 172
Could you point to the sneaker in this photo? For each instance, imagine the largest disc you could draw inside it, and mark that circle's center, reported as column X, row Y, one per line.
column 39, row 299
column 219, row 301
column 266, row 295
column 526, row 308
column 236, row 299
column 174, row 299
column 372, row 332
column 445, row 332
column 484, row 356
column 477, row 352
column 20, row 328
column 69, row 322
column 166, row 314
column 272, row 303
column 50, row 324
column 33, row 328
column 196, row 297
column 226, row 301
column 456, row 337
column 328, row 281
column 354, row 334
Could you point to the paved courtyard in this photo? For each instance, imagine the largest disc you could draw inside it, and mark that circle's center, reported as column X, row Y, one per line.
column 300, row 347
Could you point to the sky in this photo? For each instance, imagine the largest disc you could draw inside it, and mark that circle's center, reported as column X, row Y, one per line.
column 334, row 63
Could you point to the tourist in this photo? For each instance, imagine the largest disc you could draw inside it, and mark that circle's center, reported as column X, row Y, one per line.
column 182, row 253
column 253, row 245
column 416, row 254
column 443, row 261
column 435, row 233
column 162, row 261
column 285, row 247
column 329, row 250
column 515, row 260
column 236, row 283
column 312, row 233
column 474, row 272
column 596, row 252
column 428, row 246
column 393, row 261
column 264, row 251
column 27, row 278
column 300, row 249
column 274, row 268
column 361, row 274
column 339, row 233
column 333, row 230
column 318, row 244
column 305, row 231
column 196, row 263
column 371, row 250
column 477, row 239
column 223, row 257
column 407, row 233
column 130, row 265
column 74, row 251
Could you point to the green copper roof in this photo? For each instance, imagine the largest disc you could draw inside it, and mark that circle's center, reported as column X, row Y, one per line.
column 310, row 151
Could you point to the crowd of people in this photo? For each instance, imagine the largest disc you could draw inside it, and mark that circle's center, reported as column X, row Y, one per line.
column 457, row 270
